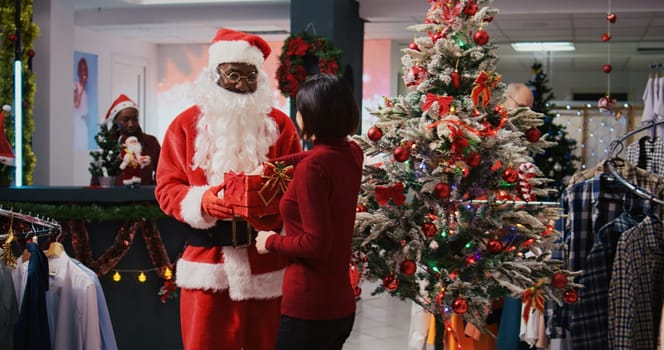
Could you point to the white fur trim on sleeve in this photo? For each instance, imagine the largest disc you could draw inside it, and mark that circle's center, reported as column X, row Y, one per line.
column 196, row 275
column 190, row 208
column 234, row 52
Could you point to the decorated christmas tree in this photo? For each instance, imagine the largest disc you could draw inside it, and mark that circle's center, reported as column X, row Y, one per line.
column 106, row 159
column 558, row 162
column 448, row 214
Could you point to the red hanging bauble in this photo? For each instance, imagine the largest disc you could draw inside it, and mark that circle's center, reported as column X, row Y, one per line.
column 606, row 37
column 31, row 53
column 439, row 297
column 408, row 267
column 559, row 280
column 374, row 133
column 414, row 76
column 360, row 208
column 607, row 68
column 481, row 37
column 470, row 9
column 570, row 296
column 533, row 134
column 456, row 79
column 413, row 46
column 401, row 154
column 437, row 36
column 12, row 37
column 460, row 305
column 473, row 160
column 510, row 175
column 611, row 17
column 429, row 229
column 391, row 282
column 442, row 190
column 494, row 246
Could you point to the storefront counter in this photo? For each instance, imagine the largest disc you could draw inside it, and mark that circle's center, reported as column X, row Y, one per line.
column 107, row 229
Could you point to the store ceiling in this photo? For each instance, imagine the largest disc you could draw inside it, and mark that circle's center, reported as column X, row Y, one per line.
column 638, row 33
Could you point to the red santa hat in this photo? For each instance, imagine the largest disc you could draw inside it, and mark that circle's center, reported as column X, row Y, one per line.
column 6, row 153
column 119, row 104
column 232, row 46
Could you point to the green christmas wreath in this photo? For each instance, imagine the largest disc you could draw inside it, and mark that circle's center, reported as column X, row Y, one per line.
column 302, row 56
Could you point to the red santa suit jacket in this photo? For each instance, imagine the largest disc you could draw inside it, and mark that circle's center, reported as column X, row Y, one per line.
column 179, row 191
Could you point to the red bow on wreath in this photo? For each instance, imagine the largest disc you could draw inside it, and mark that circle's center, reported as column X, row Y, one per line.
column 385, row 193
column 482, row 86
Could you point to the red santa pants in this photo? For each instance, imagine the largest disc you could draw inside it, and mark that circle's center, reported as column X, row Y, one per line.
column 212, row 321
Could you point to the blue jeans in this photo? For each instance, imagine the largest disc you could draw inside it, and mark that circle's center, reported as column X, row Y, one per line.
column 296, row 334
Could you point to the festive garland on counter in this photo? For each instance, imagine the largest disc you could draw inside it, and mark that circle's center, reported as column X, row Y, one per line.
column 89, row 213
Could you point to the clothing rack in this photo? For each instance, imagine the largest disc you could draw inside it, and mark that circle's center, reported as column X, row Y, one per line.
column 39, row 225
column 618, row 145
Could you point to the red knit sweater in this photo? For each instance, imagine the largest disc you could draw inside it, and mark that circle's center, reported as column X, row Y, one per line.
column 319, row 214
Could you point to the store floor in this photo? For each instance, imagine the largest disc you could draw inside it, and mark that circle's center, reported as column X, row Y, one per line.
column 381, row 322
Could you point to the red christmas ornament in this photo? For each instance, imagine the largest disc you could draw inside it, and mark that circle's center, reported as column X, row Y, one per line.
column 25, row 103
column 442, row 190
column 12, row 37
column 440, row 296
column 607, row 68
column 488, row 19
column 510, row 175
column 374, row 133
column 611, row 17
column 414, row 76
column 570, row 296
column 456, row 79
column 401, row 154
column 606, row 37
column 429, row 229
column 413, row 46
column 559, row 280
column 494, row 246
column 391, row 282
column 528, row 243
column 360, row 208
column 470, row 9
column 408, row 267
column 31, row 53
column 533, row 134
column 460, row 305
column 438, row 36
column 481, row 37
column 473, row 160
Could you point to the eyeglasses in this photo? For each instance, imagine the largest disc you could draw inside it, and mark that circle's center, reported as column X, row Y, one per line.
column 235, row 77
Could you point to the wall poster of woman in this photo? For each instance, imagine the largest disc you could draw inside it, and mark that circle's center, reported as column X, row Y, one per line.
column 85, row 117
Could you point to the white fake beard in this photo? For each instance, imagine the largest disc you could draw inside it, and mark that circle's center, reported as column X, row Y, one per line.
column 135, row 148
column 234, row 131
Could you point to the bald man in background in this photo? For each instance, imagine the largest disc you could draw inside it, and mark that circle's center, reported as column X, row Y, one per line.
column 518, row 95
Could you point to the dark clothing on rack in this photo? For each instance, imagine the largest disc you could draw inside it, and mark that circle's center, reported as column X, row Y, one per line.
column 31, row 330
column 8, row 308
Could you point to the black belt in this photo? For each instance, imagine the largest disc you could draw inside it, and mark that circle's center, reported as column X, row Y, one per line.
column 236, row 233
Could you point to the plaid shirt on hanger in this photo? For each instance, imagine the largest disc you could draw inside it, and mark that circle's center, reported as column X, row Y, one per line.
column 654, row 161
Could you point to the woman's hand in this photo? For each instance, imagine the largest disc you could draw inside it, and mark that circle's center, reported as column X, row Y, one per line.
column 261, row 239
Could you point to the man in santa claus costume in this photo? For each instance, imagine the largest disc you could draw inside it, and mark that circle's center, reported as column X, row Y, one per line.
column 230, row 294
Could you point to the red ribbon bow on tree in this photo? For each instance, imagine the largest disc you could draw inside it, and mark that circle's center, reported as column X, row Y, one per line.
column 482, row 86
column 385, row 193
column 444, row 103
column 532, row 297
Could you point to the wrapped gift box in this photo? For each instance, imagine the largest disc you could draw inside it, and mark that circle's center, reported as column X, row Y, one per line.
column 257, row 195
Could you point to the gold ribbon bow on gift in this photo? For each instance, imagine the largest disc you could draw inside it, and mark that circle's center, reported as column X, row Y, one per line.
column 532, row 298
column 277, row 183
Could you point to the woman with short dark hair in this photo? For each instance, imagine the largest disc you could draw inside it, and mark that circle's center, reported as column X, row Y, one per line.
column 318, row 209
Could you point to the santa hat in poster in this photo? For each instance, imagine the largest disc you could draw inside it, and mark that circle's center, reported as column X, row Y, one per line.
column 6, row 153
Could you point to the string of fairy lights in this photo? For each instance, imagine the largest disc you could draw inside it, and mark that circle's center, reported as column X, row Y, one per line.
column 140, row 274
